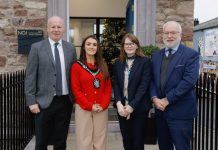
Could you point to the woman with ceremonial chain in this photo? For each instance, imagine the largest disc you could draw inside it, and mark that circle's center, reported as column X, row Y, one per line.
column 91, row 86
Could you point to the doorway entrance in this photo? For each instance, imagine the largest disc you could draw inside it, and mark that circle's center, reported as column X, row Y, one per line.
column 91, row 17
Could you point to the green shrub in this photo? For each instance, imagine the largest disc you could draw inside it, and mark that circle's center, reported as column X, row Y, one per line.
column 149, row 50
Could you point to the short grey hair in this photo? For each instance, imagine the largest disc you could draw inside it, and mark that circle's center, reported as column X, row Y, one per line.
column 55, row 17
column 173, row 22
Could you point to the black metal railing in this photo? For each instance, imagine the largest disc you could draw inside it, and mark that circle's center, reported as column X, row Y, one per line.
column 16, row 121
column 205, row 125
column 17, row 127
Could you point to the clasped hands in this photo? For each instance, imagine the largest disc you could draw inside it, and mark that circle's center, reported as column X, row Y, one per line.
column 160, row 104
column 96, row 108
column 124, row 111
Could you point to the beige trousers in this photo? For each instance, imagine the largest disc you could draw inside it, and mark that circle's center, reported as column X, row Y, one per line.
column 91, row 129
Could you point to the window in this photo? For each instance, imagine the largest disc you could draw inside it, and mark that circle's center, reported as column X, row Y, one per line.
column 101, row 28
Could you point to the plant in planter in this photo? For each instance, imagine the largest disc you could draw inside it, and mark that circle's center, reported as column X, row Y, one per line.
column 149, row 50
column 151, row 134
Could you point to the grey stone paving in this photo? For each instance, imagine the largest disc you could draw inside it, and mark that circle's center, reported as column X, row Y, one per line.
column 114, row 139
column 114, row 143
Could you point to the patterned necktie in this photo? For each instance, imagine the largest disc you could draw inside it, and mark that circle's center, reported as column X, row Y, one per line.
column 58, row 72
column 170, row 52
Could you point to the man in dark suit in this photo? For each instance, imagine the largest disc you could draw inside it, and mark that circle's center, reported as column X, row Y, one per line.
column 47, row 86
column 175, row 72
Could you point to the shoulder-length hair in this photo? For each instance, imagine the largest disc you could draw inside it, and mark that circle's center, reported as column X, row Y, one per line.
column 99, row 61
column 133, row 39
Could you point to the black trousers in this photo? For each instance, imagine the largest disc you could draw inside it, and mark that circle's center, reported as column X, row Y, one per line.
column 133, row 131
column 52, row 123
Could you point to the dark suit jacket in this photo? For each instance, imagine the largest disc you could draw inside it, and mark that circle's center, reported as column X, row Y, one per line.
column 139, row 80
column 179, row 86
column 40, row 72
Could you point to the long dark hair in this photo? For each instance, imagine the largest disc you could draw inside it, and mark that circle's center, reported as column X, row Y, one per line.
column 100, row 63
column 133, row 39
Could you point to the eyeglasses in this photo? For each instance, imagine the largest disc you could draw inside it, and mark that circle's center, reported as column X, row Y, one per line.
column 129, row 44
column 171, row 33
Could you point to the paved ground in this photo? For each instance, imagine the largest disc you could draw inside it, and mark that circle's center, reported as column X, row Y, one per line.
column 114, row 140
column 114, row 143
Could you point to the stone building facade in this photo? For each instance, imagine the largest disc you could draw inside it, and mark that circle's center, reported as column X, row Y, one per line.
column 32, row 14
column 18, row 14
column 177, row 10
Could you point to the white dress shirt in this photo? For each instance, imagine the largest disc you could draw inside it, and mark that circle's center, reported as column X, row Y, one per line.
column 65, row 90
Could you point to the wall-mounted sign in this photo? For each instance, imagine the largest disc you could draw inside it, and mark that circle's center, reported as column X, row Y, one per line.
column 211, row 42
column 26, row 38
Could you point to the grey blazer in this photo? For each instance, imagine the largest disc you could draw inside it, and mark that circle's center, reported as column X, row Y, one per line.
column 40, row 78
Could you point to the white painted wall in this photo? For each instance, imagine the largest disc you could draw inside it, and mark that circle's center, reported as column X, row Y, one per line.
column 97, row 8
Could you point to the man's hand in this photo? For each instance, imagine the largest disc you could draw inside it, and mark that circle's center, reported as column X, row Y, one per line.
column 159, row 104
column 165, row 102
column 34, row 108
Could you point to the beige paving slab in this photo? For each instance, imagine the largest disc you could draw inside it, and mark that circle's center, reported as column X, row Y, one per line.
column 114, row 143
